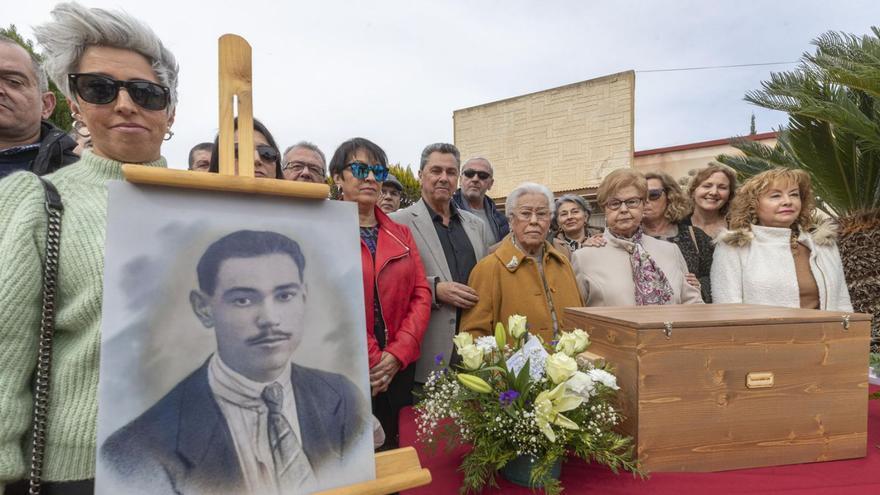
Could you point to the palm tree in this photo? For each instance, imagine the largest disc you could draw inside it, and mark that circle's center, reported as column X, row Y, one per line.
column 833, row 133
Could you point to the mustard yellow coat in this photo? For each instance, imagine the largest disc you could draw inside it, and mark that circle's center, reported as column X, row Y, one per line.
column 509, row 283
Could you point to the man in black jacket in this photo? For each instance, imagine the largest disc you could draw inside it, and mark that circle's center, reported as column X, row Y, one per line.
column 27, row 141
column 476, row 180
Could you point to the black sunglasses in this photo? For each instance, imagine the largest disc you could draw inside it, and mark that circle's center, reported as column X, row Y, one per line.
column 100, row 90
column 471, row 173
column 654, row 194
column 361, row 171
column 266, row 152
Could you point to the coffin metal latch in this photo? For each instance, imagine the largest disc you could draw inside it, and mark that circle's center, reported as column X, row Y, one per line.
column 845, row 322
column 667, row 329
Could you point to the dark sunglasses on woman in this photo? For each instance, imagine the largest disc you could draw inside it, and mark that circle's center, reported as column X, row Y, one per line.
column 266, row 152
column 100, row 90
column 361, row 171
column 654, row 194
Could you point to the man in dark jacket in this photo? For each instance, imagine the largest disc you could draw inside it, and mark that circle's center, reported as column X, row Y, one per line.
column 27, row 141
column 476, row 180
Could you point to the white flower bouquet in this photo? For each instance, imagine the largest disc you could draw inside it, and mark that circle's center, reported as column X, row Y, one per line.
column 523, row 400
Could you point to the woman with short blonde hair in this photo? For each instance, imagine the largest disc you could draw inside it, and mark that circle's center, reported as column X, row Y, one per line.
column 776, row 253
column 630, row 268
column 743, row 213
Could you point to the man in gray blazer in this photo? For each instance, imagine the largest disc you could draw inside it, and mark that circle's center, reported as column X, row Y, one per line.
column 450, row 242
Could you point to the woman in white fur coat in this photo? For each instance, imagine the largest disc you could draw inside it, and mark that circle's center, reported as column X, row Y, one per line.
column 776, row 253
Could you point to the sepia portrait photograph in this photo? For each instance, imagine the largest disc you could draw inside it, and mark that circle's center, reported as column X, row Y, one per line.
column 233, row 358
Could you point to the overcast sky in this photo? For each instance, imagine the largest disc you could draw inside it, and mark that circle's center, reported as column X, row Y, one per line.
column 394, row 71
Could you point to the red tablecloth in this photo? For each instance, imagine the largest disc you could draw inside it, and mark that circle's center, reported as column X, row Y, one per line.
column 855, row 476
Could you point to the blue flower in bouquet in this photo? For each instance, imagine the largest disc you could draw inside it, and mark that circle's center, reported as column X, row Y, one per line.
column 561, row 407
column 507, row 398
column 438, row 359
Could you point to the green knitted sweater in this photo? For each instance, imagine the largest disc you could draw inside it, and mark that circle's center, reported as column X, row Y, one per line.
column 70, row 439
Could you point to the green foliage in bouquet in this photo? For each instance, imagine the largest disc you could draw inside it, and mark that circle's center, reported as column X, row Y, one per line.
column 523, row 398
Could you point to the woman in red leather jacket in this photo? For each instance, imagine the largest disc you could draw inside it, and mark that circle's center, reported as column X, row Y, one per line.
column 397, row 298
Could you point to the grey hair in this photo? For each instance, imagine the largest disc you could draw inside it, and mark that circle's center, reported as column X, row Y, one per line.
column 309, row 146
column 439, row 148
column 527, row 188
column 481, row 158
column 573, row 198
column 75, row 28
column 42, row 79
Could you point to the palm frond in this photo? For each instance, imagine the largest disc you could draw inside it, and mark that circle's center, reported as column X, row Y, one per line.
column 850, row 60
column 833, row 132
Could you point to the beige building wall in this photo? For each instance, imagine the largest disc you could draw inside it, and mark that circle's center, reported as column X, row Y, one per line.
column 567, row 138
column 678, row 161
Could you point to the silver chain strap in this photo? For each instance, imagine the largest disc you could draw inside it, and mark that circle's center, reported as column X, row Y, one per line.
column 47, row 329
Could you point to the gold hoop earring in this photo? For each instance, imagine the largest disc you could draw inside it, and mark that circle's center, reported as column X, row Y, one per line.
column 168, row 135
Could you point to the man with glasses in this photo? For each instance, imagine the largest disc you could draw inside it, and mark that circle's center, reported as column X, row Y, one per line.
column 304, row 162
column 475, row 183
column 450, row 241
column 27, row 141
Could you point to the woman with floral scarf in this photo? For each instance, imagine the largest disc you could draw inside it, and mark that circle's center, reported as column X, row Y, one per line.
column 631, row 269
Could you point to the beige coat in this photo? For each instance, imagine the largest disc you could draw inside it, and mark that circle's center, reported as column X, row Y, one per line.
column 604, row 274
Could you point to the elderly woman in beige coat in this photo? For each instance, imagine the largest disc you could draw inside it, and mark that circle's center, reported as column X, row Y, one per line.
column 631, row 269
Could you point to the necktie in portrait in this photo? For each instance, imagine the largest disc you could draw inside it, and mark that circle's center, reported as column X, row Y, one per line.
column 292, row 468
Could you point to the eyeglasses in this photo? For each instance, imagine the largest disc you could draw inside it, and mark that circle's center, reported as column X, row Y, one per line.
column 526, row 215
column 297, row 167
column 471, row 173
column 100, row 90
column 654, row 194
column 266, row 152
column 361, row 170
column 630, row 203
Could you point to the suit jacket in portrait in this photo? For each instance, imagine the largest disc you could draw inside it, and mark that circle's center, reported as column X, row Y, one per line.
column 441, row 328
column 183, row 445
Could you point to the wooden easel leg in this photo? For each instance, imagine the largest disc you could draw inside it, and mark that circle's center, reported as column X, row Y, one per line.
column 396, row 470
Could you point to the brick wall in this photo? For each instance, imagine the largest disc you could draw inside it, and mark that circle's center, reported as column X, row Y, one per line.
column 565, row 138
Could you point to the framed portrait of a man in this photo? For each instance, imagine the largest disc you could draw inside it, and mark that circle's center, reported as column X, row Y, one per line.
column 233, row 356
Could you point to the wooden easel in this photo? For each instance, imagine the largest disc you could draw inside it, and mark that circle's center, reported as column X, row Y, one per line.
column 397, row 469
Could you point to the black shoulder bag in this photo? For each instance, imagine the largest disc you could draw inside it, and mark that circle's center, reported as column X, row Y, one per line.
column 42, row 374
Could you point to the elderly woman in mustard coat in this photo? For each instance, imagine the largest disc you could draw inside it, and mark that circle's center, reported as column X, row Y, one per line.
column 526, row 275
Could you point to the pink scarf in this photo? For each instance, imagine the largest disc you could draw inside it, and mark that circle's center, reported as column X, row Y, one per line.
column 651, row 285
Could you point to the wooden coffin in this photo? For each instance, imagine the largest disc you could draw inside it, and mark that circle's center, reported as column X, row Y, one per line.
column 712, row 387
